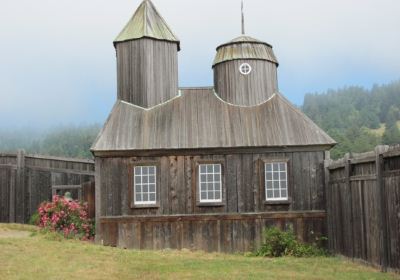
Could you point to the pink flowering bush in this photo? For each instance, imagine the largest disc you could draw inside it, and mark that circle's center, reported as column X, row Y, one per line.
column 67, row 217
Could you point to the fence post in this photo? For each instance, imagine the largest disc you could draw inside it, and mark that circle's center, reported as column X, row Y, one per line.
column 327, row 163
column 19, row 195
column 381, row 193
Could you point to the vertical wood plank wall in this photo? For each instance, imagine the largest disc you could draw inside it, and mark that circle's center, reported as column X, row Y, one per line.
column 26, row 180
column 363, row 207
column 246, row 90
column 147, row 71
column 237, row 223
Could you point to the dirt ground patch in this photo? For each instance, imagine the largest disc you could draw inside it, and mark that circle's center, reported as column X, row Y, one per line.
column 14, row 234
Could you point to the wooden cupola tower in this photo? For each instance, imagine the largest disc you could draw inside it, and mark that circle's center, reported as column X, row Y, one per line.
column 147, row 59
column 245, row 71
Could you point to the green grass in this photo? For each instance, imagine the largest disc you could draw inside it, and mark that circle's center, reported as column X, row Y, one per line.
column 40, row 257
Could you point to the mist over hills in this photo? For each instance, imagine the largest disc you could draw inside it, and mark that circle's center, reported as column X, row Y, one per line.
column 357, row 118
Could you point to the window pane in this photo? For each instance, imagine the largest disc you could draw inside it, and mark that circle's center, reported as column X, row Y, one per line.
column 276, row 166
column 152, row 170
column 276, row 176
column 218, row 195
column 282, row 175
column 283, row 184
column 268, row 167
column 276, row 185
column 269, row 176
column 269, row 185
column 145, row 184
column 210, row 178
column 276, row 194
column 269, row 194
column 282, row 166
column 284, row 193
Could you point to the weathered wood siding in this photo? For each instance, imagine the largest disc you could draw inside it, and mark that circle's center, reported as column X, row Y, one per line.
column 228, row 233
column 247, row 90
column 363, row 205
column 147, row 71
column 243, row 191
column 26, row 181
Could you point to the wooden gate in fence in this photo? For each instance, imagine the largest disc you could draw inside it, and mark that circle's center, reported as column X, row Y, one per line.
column 363, row 206
column 27, row 180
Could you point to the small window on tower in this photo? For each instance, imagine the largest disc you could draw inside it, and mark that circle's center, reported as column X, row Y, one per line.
column 245, row 69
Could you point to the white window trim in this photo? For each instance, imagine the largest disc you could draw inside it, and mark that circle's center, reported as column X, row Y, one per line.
column 243, row 72
column 220, row 183
column 280, row 198
column 148, row 185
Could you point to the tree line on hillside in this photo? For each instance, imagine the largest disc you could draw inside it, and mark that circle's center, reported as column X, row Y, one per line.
column 358, row 119
column 70, row 141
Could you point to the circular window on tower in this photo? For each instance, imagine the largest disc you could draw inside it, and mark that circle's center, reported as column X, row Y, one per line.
column 245, row 69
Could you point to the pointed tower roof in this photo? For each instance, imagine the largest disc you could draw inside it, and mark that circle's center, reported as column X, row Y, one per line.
column 147, row 23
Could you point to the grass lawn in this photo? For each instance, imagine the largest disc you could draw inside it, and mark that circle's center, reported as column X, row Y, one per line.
column 37, row 256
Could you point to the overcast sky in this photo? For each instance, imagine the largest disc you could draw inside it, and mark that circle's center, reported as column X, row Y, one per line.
column 57, row 61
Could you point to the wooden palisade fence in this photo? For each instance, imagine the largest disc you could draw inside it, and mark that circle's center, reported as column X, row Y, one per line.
column 363, row 206
column 28, row 180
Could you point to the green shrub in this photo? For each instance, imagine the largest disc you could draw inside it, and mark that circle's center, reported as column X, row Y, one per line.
column 34, row 220
column 278, row 243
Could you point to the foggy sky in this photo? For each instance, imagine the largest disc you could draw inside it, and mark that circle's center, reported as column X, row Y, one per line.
column 57, row 61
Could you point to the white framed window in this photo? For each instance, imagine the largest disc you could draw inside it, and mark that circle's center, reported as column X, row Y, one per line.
column 276, row 183
column 245, row 69
column 145, row 185
column 210, row 183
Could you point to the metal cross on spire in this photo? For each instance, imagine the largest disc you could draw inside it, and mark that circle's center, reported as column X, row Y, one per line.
column 242, row 18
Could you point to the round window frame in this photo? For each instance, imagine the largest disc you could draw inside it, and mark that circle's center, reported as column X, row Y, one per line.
column 243, row 72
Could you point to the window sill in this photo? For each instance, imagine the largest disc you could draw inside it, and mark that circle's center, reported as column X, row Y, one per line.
column 144, row 206
column 278, row 202
column 210, row 204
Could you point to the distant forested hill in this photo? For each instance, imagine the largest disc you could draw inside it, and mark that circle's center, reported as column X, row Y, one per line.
column 356, row 118
column 68, row 141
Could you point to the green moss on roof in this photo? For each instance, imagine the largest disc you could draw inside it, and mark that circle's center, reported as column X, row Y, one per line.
column 147, row 23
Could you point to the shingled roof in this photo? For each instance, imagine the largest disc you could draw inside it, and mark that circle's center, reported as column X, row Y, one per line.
column 147, row 23
column 198, row 119
column 245, row 47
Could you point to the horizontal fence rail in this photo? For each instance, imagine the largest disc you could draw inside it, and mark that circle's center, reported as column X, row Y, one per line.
column 27, row 180
column 363, row 206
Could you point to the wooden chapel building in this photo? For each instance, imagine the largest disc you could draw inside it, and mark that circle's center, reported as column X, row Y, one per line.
column 203, row 168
